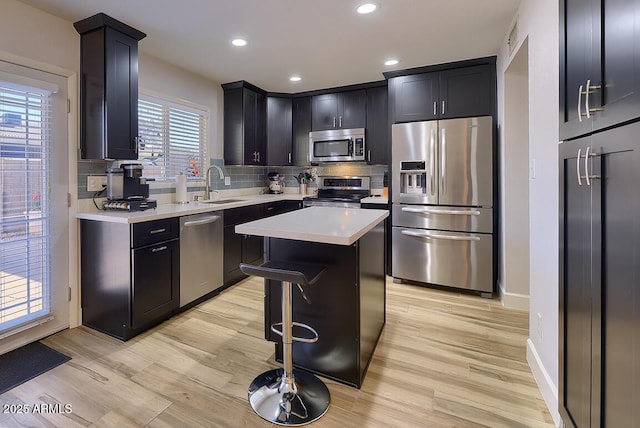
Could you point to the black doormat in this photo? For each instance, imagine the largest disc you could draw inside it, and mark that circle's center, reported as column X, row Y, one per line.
column 27, row 362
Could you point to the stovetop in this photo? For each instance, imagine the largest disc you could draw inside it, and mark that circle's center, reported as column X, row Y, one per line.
column 343, row 188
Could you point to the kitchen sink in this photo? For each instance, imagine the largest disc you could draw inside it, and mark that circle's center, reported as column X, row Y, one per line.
column 219, row 201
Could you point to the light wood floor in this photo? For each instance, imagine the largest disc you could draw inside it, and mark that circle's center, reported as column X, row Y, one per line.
column 444, row 360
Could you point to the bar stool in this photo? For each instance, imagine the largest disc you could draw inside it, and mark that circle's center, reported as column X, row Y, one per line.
column 288, row 396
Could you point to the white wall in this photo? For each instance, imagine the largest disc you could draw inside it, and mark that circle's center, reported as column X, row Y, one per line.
column 538, row 23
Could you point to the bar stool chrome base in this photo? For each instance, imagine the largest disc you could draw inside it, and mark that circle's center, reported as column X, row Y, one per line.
column 282, row 402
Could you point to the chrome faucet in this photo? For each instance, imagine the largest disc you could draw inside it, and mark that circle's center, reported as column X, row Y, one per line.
column 207, row 185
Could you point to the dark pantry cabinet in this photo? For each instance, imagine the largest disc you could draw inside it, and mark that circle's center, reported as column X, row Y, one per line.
column 599, row 65
column 301, row 114
column 378, row 130
column 599, row 367
column 130, row 274
column 245, row 128
column 339, row 110
column 109, row 88
column 279, row 131
column 460, row 91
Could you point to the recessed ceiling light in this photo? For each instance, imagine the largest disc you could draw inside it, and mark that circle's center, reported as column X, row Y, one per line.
column 295, row 78
column 239, row 42
column 391, row 62
column 366, row 8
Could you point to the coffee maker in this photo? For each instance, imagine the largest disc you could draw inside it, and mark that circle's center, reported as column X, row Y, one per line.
column 127, row 189
column 276, row 183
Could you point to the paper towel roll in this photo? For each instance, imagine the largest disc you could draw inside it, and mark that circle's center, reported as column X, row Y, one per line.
column 181, row 189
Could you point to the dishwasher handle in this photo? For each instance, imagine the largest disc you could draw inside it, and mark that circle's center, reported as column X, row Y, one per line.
column 207, row 220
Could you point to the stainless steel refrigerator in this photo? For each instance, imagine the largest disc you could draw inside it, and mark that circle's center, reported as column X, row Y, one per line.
column 442, row 203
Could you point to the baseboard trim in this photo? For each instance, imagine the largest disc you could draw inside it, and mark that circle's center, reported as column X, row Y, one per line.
column 513, row 300
column 548, row 389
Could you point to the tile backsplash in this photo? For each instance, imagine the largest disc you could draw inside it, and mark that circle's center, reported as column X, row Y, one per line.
column 242, row 177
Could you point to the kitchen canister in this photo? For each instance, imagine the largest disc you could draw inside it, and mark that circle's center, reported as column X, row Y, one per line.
column 181, row 189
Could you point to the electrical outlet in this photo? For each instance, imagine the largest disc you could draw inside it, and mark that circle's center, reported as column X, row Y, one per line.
column 227, row 181
column 539, row 326
column 95, row 183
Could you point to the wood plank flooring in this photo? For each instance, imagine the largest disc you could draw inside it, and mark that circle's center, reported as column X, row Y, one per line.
column 445, row 359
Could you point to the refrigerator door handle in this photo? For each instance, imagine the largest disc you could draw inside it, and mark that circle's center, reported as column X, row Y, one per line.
column 443, row 160
column 578, row 167
column 431, row 211
column 432, row 161
column 446, row 237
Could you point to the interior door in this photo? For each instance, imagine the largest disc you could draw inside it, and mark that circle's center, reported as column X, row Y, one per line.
column 34, row 227
column 466, row 161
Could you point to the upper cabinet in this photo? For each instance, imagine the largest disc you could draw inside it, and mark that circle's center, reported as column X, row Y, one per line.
column 340, row 110
column 279, row 131
column 599, row 65
column 463, row 90
column 109, row 88
column 378, row 130
column 245, row 131
column 301, row 115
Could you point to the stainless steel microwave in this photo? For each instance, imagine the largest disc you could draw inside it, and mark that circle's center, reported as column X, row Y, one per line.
column 337, row 145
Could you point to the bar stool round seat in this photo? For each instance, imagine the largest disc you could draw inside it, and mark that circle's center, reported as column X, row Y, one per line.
column 288, row 396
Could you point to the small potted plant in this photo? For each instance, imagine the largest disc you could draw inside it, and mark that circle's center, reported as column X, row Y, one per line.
column 304, row 178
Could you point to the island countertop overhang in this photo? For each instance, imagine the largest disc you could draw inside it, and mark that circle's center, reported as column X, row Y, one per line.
column 329, row 225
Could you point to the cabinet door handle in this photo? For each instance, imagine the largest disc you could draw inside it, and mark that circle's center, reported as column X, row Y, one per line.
column 435, row 108
column 334, row 121
column 580, row 106
column 590, row 88
column 578, row 168
column 258, row 157
column 369, row 155
column 289, row 157
column 152, row 232
column 155, row 250
column 340, row 122
column 442, row 111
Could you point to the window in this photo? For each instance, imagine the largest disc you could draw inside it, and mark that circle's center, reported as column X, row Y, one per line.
column 172, row 138
column 25, row 116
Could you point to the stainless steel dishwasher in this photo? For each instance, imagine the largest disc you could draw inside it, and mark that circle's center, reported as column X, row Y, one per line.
column 201, row 255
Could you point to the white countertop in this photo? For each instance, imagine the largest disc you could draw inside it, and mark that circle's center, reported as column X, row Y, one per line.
column 177, row 210
column 375, row 200
column 330, row 225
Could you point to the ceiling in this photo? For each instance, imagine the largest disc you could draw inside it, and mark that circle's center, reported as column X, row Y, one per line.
column 323, row 41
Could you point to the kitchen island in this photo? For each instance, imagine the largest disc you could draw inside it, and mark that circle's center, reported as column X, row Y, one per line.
column 348, row 302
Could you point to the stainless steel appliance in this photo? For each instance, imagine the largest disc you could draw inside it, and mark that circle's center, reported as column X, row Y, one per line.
column 337, row 145
column 201, row 255
column 442, row 203
column 341, row 191
column 127, row 189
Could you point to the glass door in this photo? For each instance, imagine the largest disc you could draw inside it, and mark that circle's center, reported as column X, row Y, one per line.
column 34, row 226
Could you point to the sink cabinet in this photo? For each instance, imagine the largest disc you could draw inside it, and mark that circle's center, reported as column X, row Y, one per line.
column 130, row 275
column 109, row 88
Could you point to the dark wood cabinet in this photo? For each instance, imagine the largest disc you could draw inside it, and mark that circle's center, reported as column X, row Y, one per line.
column 244, row 248
column 245, row 129
column 599, row 65
column 599, row 344
column 339, row 110
column 301, row 117
column 378, row 133
column 459, row 91
column 279, row 131
column 109, row 88
column 130, row 275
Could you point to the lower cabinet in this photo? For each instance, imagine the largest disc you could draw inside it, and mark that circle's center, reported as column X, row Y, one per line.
column 130, row 275
column 243, row 248
column 599, row 294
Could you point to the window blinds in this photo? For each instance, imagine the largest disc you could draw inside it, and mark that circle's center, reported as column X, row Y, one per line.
column 25, row 126
column 172, row 139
